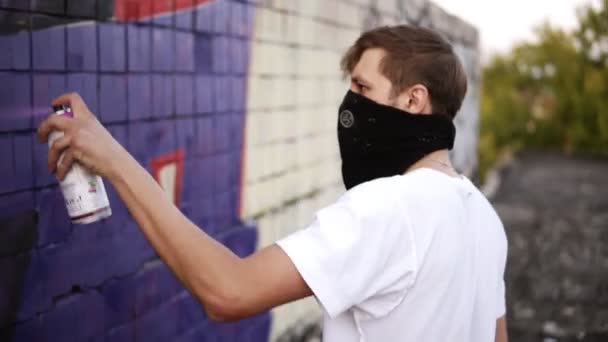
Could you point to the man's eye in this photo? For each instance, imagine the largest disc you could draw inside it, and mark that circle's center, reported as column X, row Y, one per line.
column 362, row 87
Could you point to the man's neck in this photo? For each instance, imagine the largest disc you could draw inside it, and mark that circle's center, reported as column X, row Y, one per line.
column 438, row 160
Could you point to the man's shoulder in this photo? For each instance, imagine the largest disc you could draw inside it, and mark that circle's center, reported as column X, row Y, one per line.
column 408, row 184
column 379, row 187
column 383, row 194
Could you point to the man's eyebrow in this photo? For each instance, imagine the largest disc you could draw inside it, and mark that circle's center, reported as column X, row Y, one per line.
column 359, row 79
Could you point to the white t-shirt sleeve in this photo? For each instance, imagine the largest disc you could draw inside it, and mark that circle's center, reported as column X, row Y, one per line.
column 501, row 306
column 358, row 252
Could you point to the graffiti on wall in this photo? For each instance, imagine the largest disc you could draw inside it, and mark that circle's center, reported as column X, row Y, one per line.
column 168, row 79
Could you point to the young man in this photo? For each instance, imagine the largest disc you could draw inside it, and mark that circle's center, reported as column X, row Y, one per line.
column 411, row 252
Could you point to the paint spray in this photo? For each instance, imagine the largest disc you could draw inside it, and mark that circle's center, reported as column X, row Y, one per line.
column 83, row 191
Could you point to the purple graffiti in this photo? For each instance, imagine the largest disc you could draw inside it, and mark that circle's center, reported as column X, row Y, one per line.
column 164, row 76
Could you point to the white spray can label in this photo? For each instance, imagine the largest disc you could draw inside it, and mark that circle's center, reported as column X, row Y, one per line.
column 83, row 191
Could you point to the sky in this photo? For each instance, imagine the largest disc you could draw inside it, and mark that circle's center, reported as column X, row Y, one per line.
column 502, row 23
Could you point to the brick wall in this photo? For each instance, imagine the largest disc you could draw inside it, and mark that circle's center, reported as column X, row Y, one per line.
column 168, row 78
column 240, row 96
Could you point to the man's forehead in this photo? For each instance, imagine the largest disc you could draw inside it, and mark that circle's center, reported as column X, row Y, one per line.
column 368, row 67
column 370, row 59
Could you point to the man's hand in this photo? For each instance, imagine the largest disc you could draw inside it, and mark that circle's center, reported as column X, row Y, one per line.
column 227, row 286
column 85, row 140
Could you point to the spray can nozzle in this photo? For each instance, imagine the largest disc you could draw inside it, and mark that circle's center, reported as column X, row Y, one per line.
column 62, row 110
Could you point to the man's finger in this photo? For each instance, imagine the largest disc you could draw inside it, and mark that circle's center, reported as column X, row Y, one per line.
column 74, row 101
column 65, row 164
column 57, row 148
column 52, row 123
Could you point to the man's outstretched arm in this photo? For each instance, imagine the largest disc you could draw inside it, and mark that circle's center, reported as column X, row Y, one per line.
column 228, row 287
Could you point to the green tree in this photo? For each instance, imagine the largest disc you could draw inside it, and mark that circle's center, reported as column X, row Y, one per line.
column 549, row 94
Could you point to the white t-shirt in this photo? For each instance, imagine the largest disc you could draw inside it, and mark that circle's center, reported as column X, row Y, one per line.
column 414, row 257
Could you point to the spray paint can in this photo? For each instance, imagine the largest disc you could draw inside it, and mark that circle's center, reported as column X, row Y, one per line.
column 83, row 191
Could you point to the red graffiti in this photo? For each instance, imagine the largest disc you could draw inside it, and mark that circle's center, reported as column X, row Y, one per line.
column 168, row 170
column 127, row 10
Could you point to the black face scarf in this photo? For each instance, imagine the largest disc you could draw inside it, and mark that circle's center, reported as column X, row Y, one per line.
column 382, row 141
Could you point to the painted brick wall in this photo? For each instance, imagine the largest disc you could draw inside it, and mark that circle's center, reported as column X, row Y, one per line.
column 169, row 79
column 240, row 96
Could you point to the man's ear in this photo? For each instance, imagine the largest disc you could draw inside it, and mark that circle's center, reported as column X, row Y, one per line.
column 415, row 100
